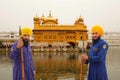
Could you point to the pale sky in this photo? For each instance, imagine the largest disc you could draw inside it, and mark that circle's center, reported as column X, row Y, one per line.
column 21, row 12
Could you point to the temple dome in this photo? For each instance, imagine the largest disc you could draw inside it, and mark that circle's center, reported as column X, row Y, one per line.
column 49, row 20
column 36, row 18
column 79, row 20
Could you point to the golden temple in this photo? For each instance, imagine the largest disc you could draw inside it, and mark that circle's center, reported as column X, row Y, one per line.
column 47, row 29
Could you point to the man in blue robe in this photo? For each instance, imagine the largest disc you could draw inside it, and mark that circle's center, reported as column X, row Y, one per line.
column 15, row 55
column 97, row 55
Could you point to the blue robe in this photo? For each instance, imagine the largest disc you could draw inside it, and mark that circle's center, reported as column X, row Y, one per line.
column 28, row 63
column 97, row 58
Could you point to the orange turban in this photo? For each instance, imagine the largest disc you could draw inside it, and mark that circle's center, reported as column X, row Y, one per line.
column 26, row 30
column 97, row 29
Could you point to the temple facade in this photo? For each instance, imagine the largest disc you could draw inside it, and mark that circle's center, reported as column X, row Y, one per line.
column 47, row 30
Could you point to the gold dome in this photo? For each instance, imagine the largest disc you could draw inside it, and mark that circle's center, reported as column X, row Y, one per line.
column 36, row 18
column 42, row 17
column 49, row 20
column 81, row 19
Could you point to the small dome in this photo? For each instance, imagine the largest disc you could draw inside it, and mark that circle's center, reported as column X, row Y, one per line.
column 36, row 18
column 42, row 17
column 49, row 19
column 81, row 19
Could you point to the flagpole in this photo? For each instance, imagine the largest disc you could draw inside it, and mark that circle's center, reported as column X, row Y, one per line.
column 21, row 54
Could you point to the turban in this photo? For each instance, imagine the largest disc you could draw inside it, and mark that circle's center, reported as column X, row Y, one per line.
column 97, row 29
column 26, row 30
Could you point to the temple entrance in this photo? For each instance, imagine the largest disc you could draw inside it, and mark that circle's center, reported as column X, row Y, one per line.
column 71, row 44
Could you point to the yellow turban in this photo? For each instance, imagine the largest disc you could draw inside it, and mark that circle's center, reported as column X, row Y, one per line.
column 97, row 29
column 26, row 30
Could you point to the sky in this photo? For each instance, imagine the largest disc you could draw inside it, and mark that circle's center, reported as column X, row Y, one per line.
column 15, row 13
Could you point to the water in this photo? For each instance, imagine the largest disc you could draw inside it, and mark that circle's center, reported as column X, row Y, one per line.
column 5, row 68
column 62, row 66
column 58, row 66
column 113, row 63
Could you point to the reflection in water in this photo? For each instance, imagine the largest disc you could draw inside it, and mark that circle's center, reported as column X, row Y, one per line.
column 58, row 66
column 62, row 66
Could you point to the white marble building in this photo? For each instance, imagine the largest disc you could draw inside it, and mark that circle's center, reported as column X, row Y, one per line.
column 113, row 38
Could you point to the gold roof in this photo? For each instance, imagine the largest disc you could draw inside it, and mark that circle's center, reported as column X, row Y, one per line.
column 49, row 19
column 61, row 27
